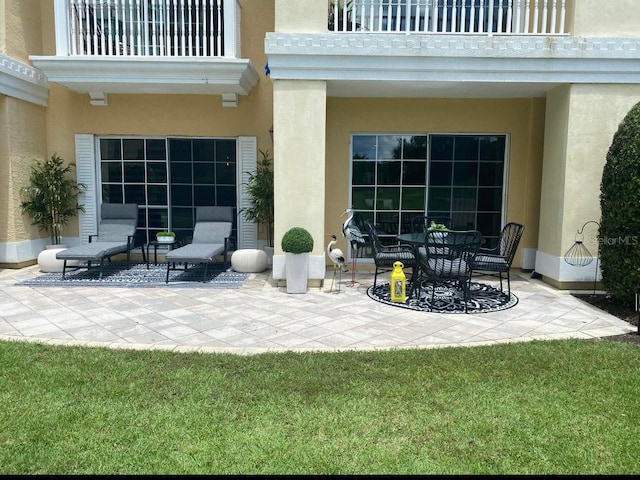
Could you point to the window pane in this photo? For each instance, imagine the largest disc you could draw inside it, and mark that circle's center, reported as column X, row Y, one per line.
column 179, row 150
column 363, row 198
column 440, row 198
column 133, row 149
column 182, row 217
column 226, row 173
column 415, row 147
column 464, row 199
column 203, row 151
column 465, row 174
column 489, row 224
column 112, row 193
column 413, row 198
column 389, row 147
column 466, row 148
column 159, row 218
column 363, row 173
column 181, row 195
column 156, row 172
column 364, row 147
column 111, row 171
column 203, row 173
column 156, row 149
column 204, row 196
column 110, row 149
column 388, row 173
column 134, row 172
column 134, row 194
column 226, row 196
column 490, row 174
column 440, row 173
column 181, row 173
column 157, row 194
column 492, row 148
column 414, row 173
column 464, row 221
column 490, row 200
column 225, row 151
column 441, row 147
column 388, row 198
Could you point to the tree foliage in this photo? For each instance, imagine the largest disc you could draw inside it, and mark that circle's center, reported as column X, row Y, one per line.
column 619, row 234
column 51, row 196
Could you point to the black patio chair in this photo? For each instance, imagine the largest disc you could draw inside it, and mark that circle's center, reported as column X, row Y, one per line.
column 385, row 256
column 497, row 261
column 446, row 262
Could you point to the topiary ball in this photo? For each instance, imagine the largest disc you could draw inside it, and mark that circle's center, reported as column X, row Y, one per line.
column 297, row 240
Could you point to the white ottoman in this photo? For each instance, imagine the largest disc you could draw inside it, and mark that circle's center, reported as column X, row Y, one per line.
column 249, row 260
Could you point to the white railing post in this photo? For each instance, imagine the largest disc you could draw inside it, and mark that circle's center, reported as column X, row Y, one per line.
column 232, row 12
column 62, row 13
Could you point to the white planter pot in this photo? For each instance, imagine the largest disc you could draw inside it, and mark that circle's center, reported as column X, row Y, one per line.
column 48, row 262
column 297, row 272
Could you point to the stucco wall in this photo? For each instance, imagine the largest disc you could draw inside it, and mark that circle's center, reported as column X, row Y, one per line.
column 613, row 18
column 301, row 15
column 22, row 28
column 581, row 125
column 522, row 120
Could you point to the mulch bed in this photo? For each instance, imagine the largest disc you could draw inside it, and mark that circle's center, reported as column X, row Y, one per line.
column 608, row 304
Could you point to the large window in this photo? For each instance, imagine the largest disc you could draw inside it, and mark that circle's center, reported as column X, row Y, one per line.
column 395, row 178
column 168, row 179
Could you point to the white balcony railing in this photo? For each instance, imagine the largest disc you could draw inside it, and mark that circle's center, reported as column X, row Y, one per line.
column 540, row 17
column 161, row 28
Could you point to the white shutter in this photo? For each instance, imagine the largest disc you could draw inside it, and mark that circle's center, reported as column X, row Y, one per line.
column 86, row 173
column 247, row 162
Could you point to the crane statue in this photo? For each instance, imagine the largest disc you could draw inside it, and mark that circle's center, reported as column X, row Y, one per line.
column 353, row 234
column 337, row 258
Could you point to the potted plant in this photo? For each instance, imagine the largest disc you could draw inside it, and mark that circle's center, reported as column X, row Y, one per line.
column 297, row 243
column 50, row 198
column 440, row 229
column 165, row 237
column 260, row 192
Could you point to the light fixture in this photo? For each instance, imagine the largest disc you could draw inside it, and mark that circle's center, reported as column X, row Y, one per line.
column 271, row 133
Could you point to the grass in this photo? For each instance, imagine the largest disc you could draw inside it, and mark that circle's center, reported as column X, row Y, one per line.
column 561, row 407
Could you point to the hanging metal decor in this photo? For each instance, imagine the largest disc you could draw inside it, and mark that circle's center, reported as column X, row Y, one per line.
column 579, row 255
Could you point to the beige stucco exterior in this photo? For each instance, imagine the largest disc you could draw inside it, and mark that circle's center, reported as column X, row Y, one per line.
column 614, row 18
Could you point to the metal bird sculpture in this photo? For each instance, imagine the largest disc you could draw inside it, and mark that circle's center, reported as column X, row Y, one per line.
column 337, row 258
column 352, row 233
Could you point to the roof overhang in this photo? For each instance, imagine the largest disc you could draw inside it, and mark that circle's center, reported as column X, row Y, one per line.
column 99, row 76
column 423, row 65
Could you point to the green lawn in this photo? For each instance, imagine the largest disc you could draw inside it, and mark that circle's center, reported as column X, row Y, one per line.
column 528, row 408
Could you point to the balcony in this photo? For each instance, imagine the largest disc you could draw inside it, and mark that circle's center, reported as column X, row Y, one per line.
column 504, row 17
column 149, row 46
column 450, row 49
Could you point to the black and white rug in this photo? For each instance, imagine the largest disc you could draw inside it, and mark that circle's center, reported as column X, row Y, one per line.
column 483, row 298
column 137, row 275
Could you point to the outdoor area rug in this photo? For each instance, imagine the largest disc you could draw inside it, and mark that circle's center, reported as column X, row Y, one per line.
column 137, row 275
column 483, row 298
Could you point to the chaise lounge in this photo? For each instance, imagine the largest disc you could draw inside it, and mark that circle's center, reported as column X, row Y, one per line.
column 211, row 236
column 116, row 234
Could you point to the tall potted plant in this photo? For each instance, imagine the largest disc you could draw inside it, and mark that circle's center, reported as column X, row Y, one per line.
column 50, row 198
column 297, row 243
column 260, row 192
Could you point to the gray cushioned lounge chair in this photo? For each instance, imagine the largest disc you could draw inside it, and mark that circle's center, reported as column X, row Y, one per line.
column 211, row 236
column 116, row 234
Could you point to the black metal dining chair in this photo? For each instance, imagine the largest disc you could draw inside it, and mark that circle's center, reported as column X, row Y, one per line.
column 497, row 261
column 445, row 262
column 385, row 256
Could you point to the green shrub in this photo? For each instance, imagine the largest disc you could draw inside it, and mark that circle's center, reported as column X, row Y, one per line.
column 297, row 240
column 620, row 210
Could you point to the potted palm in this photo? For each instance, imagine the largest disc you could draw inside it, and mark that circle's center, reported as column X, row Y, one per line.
column 260, row 193
column 50, row 198
column 297, row 243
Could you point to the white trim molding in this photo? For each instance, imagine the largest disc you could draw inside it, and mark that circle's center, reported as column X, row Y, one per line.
column 22, row 81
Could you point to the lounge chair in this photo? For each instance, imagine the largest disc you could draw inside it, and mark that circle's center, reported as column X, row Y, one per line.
column 211, row 237
column 116, row 234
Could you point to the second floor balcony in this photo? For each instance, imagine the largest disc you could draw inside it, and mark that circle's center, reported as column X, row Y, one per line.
column 149, row 46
